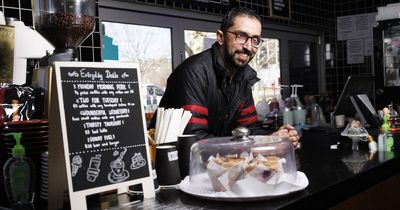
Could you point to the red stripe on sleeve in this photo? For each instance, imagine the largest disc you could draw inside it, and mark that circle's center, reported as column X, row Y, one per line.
column 196, row 120
column 248, row 110
column 196, row 108
column 248, row 120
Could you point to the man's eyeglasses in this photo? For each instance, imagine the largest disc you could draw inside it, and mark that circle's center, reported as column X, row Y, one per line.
column 242, row 38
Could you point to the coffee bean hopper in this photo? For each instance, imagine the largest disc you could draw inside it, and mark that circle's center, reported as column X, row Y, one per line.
column 65, row 24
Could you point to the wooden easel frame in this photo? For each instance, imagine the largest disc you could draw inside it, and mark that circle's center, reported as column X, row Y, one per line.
column 59, row 173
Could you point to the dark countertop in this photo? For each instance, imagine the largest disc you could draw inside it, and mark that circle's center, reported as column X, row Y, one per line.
column 334, row 176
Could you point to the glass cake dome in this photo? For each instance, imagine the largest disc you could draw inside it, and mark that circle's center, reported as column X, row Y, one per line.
column 227, row 163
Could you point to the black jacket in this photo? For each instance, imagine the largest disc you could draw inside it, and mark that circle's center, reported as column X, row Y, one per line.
column 202, row 85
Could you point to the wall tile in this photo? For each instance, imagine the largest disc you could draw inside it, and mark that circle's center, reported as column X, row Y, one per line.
column 312, row 14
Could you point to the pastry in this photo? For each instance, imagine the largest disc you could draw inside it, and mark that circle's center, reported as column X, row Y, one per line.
column 226, row 171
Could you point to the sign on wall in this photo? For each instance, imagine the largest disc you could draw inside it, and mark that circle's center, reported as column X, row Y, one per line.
column 280, row 9
column 357, row 31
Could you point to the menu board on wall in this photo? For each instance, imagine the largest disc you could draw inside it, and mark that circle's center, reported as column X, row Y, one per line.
column 280, row 9
column 103, row 124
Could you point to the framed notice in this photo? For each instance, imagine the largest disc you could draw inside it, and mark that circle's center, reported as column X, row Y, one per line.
column 103, row 127
column 280, row 9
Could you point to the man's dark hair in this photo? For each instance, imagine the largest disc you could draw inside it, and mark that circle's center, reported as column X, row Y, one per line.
column 229, row 17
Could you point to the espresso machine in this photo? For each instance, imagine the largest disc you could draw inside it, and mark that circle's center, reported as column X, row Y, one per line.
column 65, row 24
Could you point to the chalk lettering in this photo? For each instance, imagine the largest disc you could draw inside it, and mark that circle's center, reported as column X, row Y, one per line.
column 105, row 86
column 110, row 105
column 110, row 100
column 122, row 116
column 95, row 100
column 94, row 92
column 94, row 139
column 121, row 87
column 118, row 111
column 84, row 93
column 83, row 100
column 112, row 75
column 92, row 124
column 92, row 112
column 92, row 76
column 83, row 106
column 125, row 75
column 108, row 137
column 112, row 123
column 115, row 143
column 85, row 86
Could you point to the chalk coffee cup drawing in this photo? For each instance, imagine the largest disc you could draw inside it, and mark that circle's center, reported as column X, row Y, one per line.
column 167, row 165
column 184, row 145
column 117, row 167
column 118, row 172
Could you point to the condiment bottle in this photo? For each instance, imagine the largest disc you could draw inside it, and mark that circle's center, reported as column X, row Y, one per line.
column 373, row 146
column 19, row 175
column 287, row 116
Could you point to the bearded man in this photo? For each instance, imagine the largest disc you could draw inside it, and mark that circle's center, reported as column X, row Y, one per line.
column 216, row 85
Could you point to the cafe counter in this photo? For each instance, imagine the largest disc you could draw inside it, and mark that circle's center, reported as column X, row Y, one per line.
column 338, row 179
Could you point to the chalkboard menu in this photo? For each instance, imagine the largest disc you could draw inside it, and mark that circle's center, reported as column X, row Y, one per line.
column 280, row 8
column 104, row 124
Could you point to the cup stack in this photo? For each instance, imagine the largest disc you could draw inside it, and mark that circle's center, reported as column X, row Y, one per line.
column 167, row 165
column 44, row 178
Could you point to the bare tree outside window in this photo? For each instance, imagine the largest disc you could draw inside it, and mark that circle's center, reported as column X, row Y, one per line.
column 150, row 47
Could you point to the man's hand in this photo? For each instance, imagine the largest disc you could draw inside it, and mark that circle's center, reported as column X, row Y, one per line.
column 288, row 131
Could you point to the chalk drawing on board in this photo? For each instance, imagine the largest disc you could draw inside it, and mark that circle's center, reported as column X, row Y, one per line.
column 93, row 170
column 138, row 161
column 118, row 172
column 76, row 164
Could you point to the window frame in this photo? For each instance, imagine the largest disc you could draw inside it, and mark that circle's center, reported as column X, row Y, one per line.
column 180, row 20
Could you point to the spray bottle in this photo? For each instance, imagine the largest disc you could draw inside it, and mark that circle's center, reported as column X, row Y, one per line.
column 299, row 111
column 19, row 175
column 262, row 107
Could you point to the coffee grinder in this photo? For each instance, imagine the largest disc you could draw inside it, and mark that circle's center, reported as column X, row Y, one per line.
column 65, row 24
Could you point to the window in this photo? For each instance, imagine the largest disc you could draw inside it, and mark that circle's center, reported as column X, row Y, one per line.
column 198, row 41
column 266, row 63
column 148, row 46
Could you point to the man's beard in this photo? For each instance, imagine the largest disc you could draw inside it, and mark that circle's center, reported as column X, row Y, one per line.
column 234, row 62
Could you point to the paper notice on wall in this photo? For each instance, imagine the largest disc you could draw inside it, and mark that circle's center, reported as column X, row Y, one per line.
column 355, row 26
column 355, row 51
column 368, row 47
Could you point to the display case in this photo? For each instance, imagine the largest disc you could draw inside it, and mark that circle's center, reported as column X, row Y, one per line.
column 387, row 62
column 391, row 48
